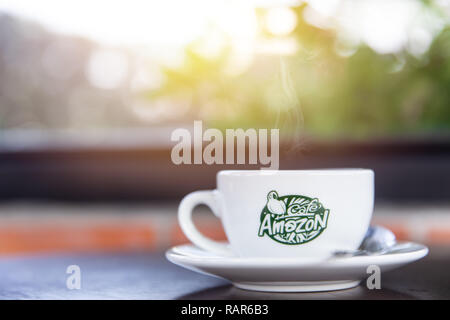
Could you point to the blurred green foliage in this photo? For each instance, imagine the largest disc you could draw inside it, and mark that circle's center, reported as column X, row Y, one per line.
column 318, row 91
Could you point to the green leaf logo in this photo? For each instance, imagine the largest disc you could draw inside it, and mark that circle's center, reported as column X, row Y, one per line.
column 292, row 219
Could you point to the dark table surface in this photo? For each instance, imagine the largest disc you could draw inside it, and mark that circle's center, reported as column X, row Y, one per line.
column 150, row 276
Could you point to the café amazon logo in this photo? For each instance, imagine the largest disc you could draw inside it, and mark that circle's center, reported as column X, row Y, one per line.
column 292, row 219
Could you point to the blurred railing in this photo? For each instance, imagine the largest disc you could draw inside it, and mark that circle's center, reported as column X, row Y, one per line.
column 130, row 165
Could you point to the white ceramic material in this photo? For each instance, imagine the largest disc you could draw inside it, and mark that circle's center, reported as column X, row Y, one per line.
column 293, row 275
column 340, row 207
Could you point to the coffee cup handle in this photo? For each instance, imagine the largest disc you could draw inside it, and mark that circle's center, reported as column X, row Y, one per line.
column 187, row 205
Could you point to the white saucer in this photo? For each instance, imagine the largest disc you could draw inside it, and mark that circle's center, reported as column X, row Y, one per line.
column 293, row 275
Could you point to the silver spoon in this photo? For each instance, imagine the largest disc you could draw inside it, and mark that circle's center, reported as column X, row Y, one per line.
column 378, row 240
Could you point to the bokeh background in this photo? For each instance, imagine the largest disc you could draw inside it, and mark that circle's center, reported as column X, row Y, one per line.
column 91, row 91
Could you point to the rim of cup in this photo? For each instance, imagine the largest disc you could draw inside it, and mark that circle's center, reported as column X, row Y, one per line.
column 326, row 171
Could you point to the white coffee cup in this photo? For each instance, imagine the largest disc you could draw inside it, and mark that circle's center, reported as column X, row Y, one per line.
column 285, row 213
